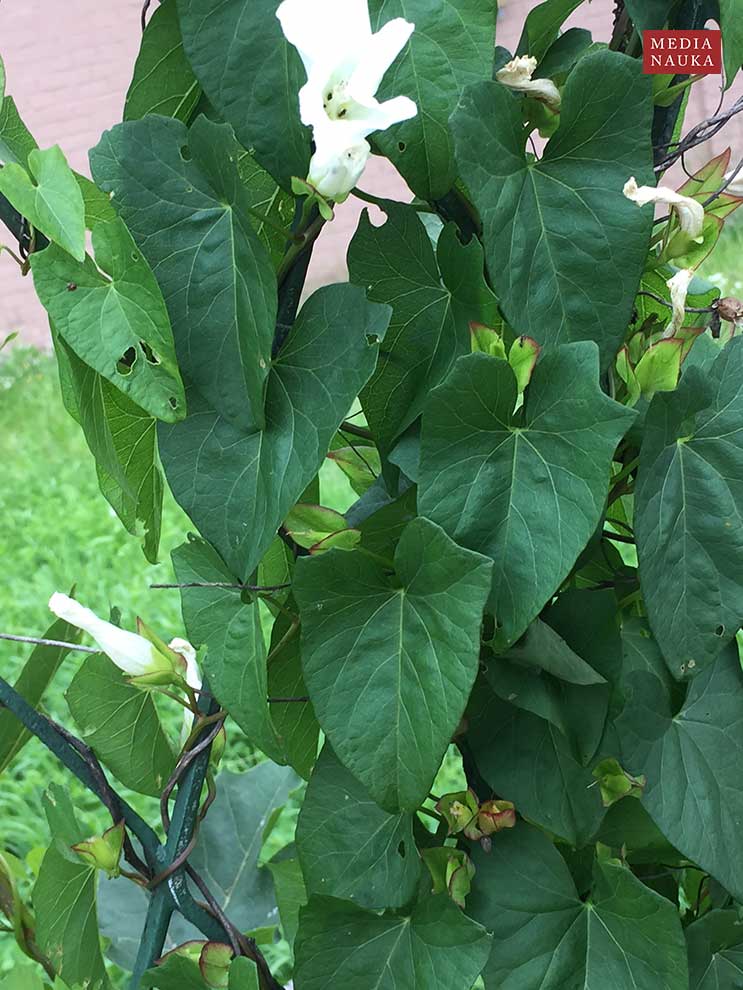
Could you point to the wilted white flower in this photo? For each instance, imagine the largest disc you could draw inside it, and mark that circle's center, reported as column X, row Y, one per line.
column 517, row 75
column 690, row 213
column 193, row 673
column 132, row 653
column 679, row 286
column 345, row 64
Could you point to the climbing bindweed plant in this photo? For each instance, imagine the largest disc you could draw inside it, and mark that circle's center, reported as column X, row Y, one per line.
column 506, row 665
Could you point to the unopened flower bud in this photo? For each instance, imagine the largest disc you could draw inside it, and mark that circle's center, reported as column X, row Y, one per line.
column 494, row 816
column 459, row 810
column 214, row 963
column 103, row 852
column 146, row 659
column 616, row 783
column 451, row 871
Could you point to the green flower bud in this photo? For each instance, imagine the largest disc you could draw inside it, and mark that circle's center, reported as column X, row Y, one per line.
column 103, row 852
column 494, row 816
column 451, row 871
column 459, row 810
column 616, row 783
column 214, row 963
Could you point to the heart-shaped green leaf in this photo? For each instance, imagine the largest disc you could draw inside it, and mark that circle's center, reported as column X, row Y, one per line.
column 689, row 513
column 48, row 196
column 565, row 249
column 527, row 488
column 434, row 298
column 390, row 662
column 349, row 847
column 452, row 47
column 547, row 938
column 263, row 104
column 237, row 485
column 112, row 314
column 215, row 275
column 435, row 947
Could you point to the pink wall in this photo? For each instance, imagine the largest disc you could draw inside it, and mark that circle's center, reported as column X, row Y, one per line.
column 68, row 66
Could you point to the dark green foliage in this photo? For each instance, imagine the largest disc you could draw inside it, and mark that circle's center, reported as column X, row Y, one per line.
column 503, row 662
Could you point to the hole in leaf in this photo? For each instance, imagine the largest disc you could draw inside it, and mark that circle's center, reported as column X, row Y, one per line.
column 401, row 849
column 126, row 362
column 720, row 631
column 186, row 153
column 135, row 256
column 149, row 354
column 402, row 146
column 173, row 402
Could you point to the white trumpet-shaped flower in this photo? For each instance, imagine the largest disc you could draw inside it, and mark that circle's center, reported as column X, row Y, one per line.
column 345, row 64
column 134, row 654
column 517, row 75
column 690, row 213
column 679, row 287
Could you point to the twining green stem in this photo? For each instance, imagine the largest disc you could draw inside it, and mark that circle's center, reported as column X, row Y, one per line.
column 431, row 814
column 617, row 537
column 355, row 431
column 173, row 892
column 301, row 242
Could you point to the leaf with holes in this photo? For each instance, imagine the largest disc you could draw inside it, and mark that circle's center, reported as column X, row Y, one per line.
column 215, row 274
column 434, row 298
column 121, row 725
column 230, row 841
column 435, row 947
column 163, row 80
column 389, row 661
column 527, row 488
column 48, row 196
column 546, row 937
column 349, row 847
column 123, row 439
column 565, row 249
column 262, row 104
column 689, row 513
column 112, row 315
column 452, row 47
column 691, row 758
column 238, row 486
